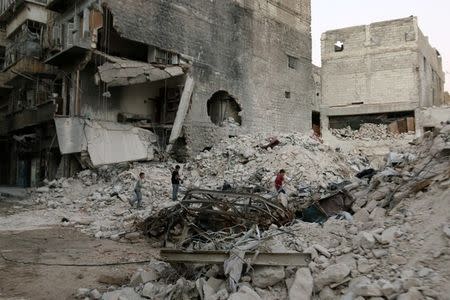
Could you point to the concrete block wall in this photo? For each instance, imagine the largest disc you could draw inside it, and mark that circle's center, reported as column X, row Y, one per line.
column 379, row 70
column 431, row 117
column 237, row 46
column 377, row 65
column 432, row 76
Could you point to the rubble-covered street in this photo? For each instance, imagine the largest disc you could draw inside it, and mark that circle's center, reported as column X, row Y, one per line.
column 224, row 150
column 385, row 246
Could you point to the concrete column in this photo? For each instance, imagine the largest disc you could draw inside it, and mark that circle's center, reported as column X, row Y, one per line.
column 182, row 112
column 64, row 96
column 72, row 95
column 85, row 29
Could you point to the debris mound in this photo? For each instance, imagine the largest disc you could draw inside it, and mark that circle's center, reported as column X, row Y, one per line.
column 367, row 132
column 389, row 249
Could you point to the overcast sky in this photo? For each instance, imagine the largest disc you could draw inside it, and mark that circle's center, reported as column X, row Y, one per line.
column 433, row 16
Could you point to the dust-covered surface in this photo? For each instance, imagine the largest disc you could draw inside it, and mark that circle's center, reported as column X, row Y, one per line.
column 394, row 246
column 25, row 274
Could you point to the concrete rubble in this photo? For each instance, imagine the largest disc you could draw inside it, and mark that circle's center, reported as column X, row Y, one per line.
column 368, row 132
column 389, row 248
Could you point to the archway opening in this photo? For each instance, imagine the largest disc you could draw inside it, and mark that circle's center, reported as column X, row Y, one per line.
column 223, row 109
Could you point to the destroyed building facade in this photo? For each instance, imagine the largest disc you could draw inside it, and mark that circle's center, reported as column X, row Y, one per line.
column 26, row 99
column 377, row 73
column 87, row 82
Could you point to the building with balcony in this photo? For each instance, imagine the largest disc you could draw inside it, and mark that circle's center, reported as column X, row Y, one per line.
column 180, row 70
column 27, row 104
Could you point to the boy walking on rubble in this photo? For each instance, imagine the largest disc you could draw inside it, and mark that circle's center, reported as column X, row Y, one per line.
column 176, row 180
column 279, row 180
column 137, row 191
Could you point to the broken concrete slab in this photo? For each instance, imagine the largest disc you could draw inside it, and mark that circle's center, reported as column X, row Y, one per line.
column 142, row 277
column 125, row 293
column 182, row 111
column 106, row 142
column 412, row 294
column 390, row 234
column 332, row 274
column 245, row 293
column 303, row 285
column 364, row 240
column 121, row 72
column 322, row 250
column 263, row 277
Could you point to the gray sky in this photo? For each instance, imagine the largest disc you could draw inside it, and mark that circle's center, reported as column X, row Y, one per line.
column 433, row 15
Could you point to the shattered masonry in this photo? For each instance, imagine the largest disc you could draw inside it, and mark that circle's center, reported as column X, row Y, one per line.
column 384, row 69
column 92, row 93
column 128, row 61
column 376, row 251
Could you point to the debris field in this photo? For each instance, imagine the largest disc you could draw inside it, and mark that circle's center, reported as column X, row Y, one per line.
column 343, row 230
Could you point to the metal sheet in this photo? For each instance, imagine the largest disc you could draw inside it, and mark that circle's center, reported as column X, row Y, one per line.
column 218, row 257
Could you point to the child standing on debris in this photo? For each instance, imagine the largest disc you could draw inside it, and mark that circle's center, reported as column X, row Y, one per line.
column 137, row 190
column 176, row 180
column 279, row 182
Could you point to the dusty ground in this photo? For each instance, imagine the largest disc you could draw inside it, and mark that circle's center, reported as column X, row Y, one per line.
column 22, row 275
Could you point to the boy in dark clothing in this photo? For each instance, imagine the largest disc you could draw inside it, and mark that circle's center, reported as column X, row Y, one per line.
column 176, row 180
column 279, row 182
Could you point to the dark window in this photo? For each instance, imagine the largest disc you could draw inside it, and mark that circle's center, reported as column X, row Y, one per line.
column 339, row 46
column 287, row 95
column 292, row 62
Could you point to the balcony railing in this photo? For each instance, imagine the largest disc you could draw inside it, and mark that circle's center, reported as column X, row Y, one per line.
column 25, row 44
column 11, row 5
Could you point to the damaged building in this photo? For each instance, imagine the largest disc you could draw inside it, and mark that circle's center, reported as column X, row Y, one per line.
column 27, row 103
column 378, row 73
column 87, row 83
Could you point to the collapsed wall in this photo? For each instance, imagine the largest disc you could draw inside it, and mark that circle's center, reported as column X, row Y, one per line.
column 258, row 52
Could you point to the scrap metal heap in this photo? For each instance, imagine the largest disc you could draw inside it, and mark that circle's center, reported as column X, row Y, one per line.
column 204, row 211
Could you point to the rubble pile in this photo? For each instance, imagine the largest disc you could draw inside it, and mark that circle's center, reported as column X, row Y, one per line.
column 245, row 162
column 394, row 247
column 367, row 132
column 97, row 201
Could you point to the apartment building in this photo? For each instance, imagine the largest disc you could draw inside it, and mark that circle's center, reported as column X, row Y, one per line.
column 111, row 81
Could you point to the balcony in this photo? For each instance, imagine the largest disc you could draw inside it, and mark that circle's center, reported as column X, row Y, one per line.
column 4, row 87
column 9, row 7
column 28, row 117
column 24, row 44
column 72, row 37
column 29, row 67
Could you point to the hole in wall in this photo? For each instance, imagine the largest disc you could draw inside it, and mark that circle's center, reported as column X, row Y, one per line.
column 223, row 109
column 339, row 46
column 315, row 118
column 292, row 62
